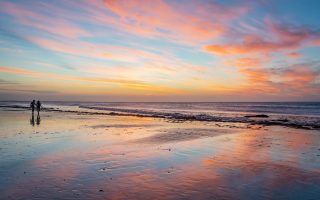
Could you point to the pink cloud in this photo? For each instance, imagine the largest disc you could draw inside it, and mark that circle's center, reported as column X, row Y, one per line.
column 192, row 22
column 188, row 23
column 280, row 38
column 294, row 55
column 196, row 23
column 254, row 44
column 299, row 76
column 297, row 80
column 316, row 42
column 259, row 50
column 288, row 33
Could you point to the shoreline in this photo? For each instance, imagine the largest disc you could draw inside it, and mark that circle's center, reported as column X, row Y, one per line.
column 246, row 119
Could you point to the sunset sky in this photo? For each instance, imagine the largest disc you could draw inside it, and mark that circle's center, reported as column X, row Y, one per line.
column 157, row 50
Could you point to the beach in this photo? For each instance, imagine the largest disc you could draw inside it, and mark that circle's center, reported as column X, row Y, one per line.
column 159, row 100
column 70, row 155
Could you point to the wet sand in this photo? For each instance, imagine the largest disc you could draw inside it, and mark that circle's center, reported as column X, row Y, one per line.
column 73, row 156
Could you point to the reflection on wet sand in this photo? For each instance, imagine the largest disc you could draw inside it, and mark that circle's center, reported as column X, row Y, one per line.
column 133, row 158
column 38, row 119
column 33, row 122
column 176, row 135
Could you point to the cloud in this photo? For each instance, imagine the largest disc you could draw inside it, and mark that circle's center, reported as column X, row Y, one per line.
column 191, row 21
column 187, row 23
column 5, row 82
column 294, row 55
column 159, row 46
column 41, row 20
column 48, row 92
column 255, row 44
column 279, row 38
column 253, row 54
column 297, row 76
column 65, row 77
column 293, row 80
column 245, row 62
column 94, row 50
column 316, row 42
column 125, row 83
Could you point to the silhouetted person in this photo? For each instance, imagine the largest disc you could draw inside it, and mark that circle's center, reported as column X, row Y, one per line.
column 38, row 107
column 38, row 120
column 33, row 105
column 32, row 119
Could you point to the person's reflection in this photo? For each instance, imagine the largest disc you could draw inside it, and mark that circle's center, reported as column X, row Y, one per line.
column 32, row 119
column 38, row 119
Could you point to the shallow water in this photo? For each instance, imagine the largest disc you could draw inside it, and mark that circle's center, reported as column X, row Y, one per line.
column 304, row 115
column 72, row 156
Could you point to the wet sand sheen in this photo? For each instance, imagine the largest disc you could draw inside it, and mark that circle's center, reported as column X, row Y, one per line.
column 70, row 156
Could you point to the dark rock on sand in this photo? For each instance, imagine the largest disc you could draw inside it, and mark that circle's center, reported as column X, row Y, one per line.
column 260, row 116
column 283, row 120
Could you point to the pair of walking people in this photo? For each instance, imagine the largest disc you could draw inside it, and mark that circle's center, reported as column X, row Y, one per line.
column 34, row 105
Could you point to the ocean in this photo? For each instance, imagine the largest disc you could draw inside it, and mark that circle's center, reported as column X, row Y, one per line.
column 296, row 114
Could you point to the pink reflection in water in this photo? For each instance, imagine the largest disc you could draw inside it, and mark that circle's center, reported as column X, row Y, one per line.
column 99, row 158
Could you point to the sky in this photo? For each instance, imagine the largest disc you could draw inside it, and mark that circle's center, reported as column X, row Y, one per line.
column 160, row 50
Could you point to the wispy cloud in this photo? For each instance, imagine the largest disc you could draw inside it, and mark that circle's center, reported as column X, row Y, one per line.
column 5, row 82
column 280, row 38
column 28, row 91
column 94, row 50
column 294, row 55
column 195, row 22
column 134, row 84
column 49, row 23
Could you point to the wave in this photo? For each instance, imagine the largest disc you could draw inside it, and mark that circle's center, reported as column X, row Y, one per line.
column 302, row 122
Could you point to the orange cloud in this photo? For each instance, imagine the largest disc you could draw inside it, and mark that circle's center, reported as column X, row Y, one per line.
column 19, row 71
column 126, row 84
column 247, row 62
column 66, row 77
column 218, row 49
column 252, row 68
